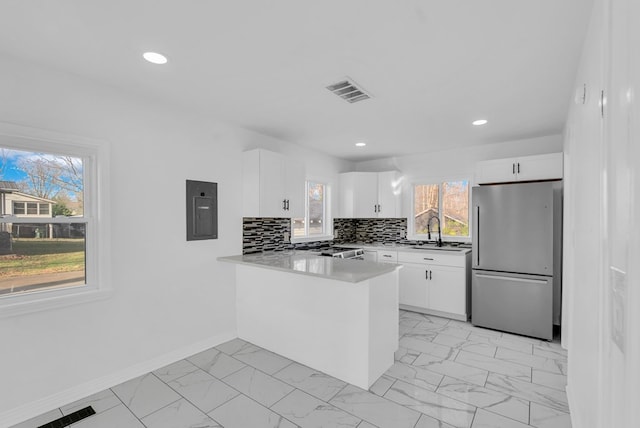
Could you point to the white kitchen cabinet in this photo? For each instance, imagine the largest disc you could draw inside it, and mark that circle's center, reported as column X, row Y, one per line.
column 413, row 286
column 525, row 168
column 386, row 256
column 369, row 195
column 371, row 255
column 436, row 283
column 272, row 185
column 447, row 289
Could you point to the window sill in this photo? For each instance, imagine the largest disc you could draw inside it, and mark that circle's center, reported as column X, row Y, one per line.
column 312, row 239
column 46, row 300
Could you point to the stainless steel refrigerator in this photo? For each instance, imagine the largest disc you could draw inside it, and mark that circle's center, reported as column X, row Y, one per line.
column 517, row 264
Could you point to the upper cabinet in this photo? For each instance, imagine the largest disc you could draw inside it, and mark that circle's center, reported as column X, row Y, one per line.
column 369, row 194
column 272, row 185
column 526, row 168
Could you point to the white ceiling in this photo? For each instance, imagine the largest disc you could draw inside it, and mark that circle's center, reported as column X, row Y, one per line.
column 432, row 66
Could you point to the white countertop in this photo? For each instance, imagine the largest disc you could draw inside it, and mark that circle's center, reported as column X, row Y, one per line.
column 408, row 248
column 308, row 263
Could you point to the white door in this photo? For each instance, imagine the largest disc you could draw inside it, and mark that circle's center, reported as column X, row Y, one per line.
column 272, row 189
column 295, row 189
column 414, row 285
column 496, row 171
column 366, row 195
column 447, row 289
column 542, row 167
column 388, row 195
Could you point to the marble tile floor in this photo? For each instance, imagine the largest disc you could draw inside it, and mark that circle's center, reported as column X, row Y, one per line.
column 447, row 374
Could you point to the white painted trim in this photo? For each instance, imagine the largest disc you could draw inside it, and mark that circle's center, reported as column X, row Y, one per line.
column 576, row 422
column 96, row 163
column 46, row 404
column 438, row 180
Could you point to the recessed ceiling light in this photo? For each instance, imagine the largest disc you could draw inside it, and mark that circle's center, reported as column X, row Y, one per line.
column 155, row 57
column 480, row 122
column 361, row 144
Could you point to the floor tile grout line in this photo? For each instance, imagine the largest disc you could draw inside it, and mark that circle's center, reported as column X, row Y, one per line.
column 124, row 404
column 525, row 399
column 194, row 404
column 531, row 355
column 258, row 403
column 526, row 365
column 319, row 399
column 419, row 387
column 548, row 402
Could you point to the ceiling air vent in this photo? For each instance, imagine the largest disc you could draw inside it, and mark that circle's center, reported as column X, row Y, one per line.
column 348, row 90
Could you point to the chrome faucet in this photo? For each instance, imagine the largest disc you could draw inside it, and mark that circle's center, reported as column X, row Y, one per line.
column 439, row 243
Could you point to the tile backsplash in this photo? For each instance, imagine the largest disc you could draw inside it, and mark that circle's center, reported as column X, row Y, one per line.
column 267, row 233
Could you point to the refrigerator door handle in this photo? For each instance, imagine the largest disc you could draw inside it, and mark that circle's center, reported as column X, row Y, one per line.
column 475, row 247
column 510, row 278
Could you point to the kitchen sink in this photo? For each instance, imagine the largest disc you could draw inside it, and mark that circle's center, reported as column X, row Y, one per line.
column 425, row 247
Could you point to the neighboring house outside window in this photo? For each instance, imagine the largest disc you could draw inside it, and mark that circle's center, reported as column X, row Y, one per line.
column 24, row 206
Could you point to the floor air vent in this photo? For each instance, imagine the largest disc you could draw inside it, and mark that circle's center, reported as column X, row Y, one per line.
column 348, row 90
column 71, row 418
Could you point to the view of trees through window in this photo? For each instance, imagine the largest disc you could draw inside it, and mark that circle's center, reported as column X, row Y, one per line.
column 313, row 223
column 448, row 202
column 42, row 229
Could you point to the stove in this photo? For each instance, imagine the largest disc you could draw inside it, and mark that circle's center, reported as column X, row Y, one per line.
column 344, row 253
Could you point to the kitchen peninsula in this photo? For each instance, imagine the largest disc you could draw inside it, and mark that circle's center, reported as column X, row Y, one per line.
column 337, row 316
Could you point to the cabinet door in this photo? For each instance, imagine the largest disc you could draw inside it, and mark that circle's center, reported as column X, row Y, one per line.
column 541, row 167
column 365, row 195
column 388, row 195
column 371, row 255
column 496, row 171
column 414, row 285
column 295, row 189
column 272, row 184
column 447, row 289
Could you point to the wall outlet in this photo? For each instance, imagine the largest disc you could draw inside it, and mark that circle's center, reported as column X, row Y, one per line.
column 286, row 237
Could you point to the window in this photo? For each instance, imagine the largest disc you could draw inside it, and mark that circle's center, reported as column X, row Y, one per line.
column 18, row 207
column 313, row 225
column 43, row 209
column 448, row 202
column 52, row 236
column 32, row 208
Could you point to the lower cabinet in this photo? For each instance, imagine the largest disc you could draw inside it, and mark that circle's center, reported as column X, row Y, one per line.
column 437, row 284
column 414, row 285
column 447, row 290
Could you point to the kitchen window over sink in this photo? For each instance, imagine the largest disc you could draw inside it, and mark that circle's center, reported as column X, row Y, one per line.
column 314, row 224
column 53, row 222
column 443, row 202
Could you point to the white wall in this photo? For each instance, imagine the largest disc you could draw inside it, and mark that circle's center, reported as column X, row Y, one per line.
column 456, row 164
column 171, row 296
column 602, row 205
column 461, row 161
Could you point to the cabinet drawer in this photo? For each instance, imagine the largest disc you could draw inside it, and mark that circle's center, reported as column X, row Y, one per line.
column 387, row 256
column 431, row 257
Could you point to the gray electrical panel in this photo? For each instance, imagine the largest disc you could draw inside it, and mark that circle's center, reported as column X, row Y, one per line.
column 202, row 210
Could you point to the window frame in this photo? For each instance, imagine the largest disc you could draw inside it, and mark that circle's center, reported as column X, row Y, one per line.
column 95, row 155
column 411, row 233
column 327, row 232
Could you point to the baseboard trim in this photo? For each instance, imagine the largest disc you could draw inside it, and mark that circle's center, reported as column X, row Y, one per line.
column 440, row 314
column 43, row 405
column 573, row 409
